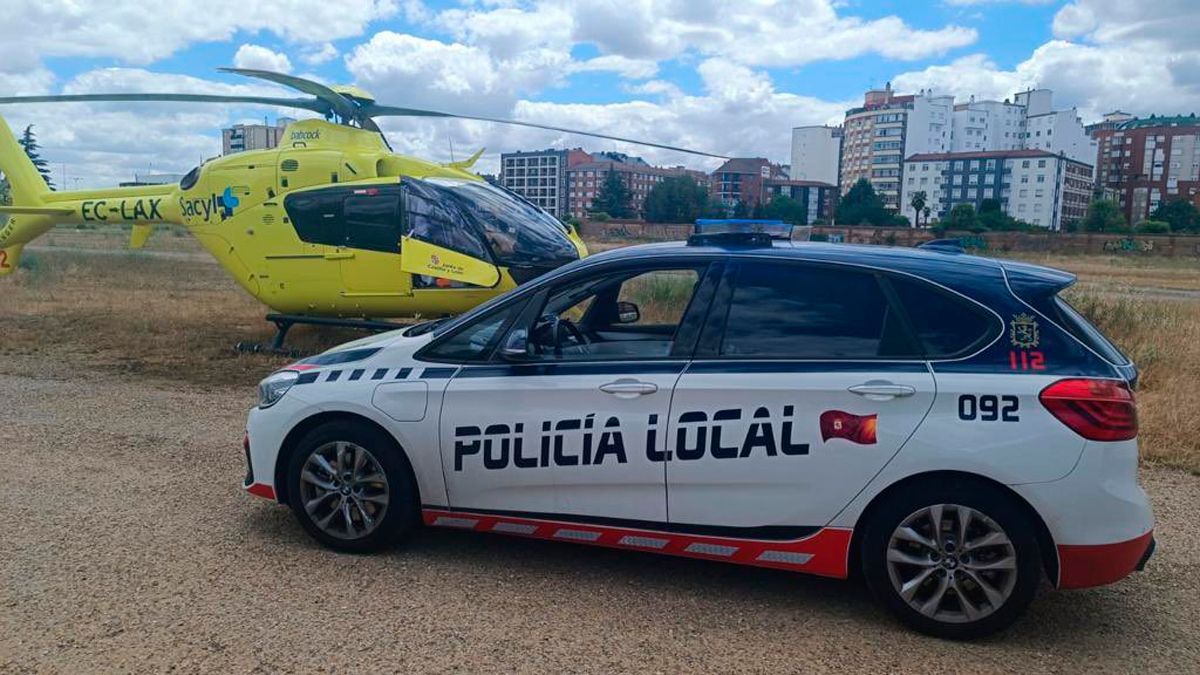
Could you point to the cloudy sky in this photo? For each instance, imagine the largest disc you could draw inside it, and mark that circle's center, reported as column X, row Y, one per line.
column 726, row 77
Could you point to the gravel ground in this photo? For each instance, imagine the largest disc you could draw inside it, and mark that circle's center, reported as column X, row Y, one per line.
column 126, row 545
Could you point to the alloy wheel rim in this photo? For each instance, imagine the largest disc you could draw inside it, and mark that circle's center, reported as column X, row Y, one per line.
column 952, row 563
column 344, row 490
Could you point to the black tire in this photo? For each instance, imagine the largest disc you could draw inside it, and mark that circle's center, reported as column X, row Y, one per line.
column 949, row 619
column 402, row 512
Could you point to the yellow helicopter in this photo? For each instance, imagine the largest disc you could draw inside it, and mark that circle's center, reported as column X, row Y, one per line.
column 329, row 227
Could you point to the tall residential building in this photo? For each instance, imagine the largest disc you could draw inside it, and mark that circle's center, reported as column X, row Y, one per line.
column 889, row 127
column 1146, row 161
column 1035, row 186
column 241, row 137
column 816, row 152
column 541, row 176
column 873, row 143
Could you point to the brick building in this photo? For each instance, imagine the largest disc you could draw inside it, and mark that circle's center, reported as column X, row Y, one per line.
column 1148, row 161
column 742, row 180
column 585, row 177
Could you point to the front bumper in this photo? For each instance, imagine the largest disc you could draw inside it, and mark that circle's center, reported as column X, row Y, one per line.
column 1084, row 566
column 249, row 484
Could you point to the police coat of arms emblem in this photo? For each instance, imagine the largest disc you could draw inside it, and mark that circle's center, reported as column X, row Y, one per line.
column 1023, row 331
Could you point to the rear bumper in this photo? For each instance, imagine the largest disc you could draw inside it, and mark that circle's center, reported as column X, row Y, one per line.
column 1083, row 566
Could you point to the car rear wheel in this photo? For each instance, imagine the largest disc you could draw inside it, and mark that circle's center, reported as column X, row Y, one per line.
column 957, row 560
column 352, row 488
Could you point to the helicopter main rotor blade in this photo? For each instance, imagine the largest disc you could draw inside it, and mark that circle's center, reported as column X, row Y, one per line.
column 375, row 110
column 302, row 103
column 341, row 105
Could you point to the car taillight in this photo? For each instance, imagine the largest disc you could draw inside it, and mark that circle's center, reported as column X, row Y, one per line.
column 1098, row 410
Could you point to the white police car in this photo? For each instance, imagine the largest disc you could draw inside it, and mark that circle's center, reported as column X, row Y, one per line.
column 942, row 423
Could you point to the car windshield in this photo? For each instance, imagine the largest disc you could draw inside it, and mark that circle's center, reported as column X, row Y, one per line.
column 519, row 233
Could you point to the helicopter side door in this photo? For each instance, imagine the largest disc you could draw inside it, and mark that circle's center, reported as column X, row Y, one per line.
column 372, row 265
column 440, row 246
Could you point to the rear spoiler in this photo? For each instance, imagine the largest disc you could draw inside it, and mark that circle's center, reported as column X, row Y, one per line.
column 1034, row 281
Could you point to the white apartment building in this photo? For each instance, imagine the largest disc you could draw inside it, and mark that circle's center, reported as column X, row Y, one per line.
column 242, row 137
column 889, row 127
column 816, row 152
column 1034, row 186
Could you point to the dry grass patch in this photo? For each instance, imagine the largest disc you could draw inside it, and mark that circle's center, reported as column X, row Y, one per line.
column 140, row 315
column 1163, row 339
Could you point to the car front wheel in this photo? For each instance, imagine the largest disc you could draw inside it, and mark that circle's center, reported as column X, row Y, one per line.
column 352, row 488
column 955, row 560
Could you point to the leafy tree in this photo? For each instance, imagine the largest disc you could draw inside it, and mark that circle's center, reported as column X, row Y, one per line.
column 741, row 210
column 614, row 197
column 784, row 208
column 1154, row 227
column 29, row 142
column 1103, row 216
column 1181, row 214
column 917, row 202
column 5, row 191
column 677, row 199
column 962, row 217
column 861, row 205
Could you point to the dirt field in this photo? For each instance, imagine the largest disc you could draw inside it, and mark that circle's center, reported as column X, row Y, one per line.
column 127, row 545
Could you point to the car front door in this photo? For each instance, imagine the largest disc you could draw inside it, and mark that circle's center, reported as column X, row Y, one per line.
column 806, row 382
column 568, row 420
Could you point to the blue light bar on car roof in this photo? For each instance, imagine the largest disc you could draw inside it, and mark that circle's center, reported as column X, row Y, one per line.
column 775, row 229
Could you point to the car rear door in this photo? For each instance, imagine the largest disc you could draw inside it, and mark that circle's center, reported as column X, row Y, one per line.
column 806, row 382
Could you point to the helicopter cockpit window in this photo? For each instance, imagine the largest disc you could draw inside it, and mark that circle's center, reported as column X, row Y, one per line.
column 432, row 217
column 519, row 233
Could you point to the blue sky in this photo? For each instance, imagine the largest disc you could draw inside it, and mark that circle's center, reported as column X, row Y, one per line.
column 732, row 78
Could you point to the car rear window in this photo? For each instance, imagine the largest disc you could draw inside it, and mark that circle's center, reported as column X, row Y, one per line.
column 786, row 311
column 948, row 325
column 1062, row 313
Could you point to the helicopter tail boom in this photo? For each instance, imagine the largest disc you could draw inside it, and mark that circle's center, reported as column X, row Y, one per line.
column 26, row 219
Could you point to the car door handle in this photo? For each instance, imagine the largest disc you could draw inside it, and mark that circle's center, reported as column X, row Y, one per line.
column 882, row 391
column 627, row 388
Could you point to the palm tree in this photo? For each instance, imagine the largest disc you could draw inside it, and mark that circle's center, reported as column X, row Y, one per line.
column 917, row 202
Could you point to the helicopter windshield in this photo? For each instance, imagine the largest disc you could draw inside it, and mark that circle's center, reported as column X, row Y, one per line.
column 518, row 233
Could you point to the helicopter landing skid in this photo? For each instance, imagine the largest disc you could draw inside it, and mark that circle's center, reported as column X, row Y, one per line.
column 284, row 322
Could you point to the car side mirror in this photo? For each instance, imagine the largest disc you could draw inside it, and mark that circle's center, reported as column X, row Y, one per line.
column 628, row 312
column 516, row 345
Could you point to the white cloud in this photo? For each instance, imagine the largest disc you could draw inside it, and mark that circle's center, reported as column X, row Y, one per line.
column 740, row 112
column 135, row 33
column 105, row 143
column 261, row 58
column 968, row 3
column 411, row 71
column 1140, row 78
column 633, row 69
column 762, row 33
column 318, row 55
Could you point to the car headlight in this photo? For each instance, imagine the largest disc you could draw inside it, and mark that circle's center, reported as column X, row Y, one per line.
column 275, row 386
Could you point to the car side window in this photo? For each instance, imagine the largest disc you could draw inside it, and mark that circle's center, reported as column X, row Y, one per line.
column 947, row 325
column 794, row 311
column 474, row 341
column 633, row 314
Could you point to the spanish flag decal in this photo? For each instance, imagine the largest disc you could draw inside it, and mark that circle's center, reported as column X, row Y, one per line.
column 854, row 428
